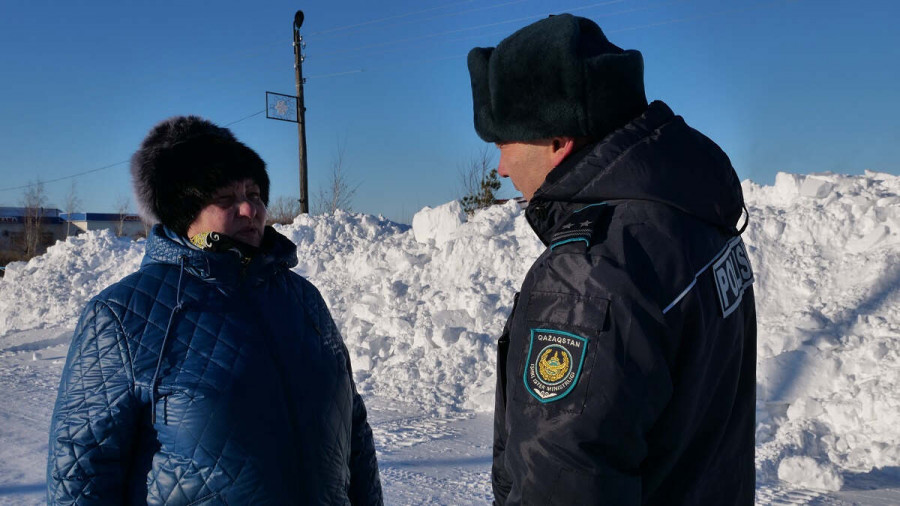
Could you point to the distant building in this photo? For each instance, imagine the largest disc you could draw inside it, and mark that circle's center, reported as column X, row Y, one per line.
column 12, row 228
column 56, row 226
column 129, row 225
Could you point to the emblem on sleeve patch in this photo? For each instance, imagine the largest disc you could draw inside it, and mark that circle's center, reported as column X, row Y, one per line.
column 554, row 363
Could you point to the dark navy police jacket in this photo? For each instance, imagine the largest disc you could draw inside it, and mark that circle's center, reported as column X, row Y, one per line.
column 200, row 380
column 626, row 371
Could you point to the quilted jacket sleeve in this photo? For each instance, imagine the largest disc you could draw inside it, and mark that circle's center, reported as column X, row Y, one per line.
column 94, row 418
column 365, row 484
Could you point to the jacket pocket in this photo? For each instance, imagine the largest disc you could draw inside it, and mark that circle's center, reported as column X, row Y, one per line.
column 552, row 356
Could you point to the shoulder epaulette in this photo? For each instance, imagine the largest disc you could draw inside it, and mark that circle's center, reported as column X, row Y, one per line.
column 579, row 226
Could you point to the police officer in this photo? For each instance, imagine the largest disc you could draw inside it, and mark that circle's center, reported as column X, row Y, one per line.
column 626, row 371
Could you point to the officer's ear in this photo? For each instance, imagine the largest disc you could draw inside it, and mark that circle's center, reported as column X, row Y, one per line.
column 561, row 148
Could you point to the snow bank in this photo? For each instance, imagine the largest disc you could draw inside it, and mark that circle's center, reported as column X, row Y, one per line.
column 52, row 289
column 806, row 472
column 438, row 224
column 420, row 309
column 420, row 318
column 827, row 262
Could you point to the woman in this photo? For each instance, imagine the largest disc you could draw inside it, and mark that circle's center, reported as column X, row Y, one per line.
column 214, row 374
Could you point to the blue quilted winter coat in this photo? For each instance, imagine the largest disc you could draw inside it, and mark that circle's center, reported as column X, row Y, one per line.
column 201, row 380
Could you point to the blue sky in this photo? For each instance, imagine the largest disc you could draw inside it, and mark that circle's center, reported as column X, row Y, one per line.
column 786, row 85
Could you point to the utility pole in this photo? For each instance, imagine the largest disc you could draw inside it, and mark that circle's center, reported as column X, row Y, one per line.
column 301, row 110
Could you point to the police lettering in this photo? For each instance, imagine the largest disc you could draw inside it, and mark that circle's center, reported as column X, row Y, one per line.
column 732, row 274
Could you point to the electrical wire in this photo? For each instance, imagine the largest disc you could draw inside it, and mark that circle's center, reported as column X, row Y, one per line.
column 29, row 185
column 389, row 18
column 497, row 33
column 460, row 30
column 458, row 13
column 598, row 16
column 392, row 66
column 701, row 16
column 429, row 60
column 626, row 11
column 263, row 48
column 335, row 74
column 257, row 113
column 98, row 169
column 260, row 50
column 635, row 27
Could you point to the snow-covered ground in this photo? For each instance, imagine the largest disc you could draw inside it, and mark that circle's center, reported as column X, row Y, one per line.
column 420, row 308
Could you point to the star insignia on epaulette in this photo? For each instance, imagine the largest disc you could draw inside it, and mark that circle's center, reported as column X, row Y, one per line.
column 572, row 230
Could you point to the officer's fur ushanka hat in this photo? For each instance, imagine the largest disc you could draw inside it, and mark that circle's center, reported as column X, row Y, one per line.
column 181, row 164
column 557, row 77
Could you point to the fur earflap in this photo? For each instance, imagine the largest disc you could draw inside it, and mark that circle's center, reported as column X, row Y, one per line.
column 180, row 165
column 557, row 77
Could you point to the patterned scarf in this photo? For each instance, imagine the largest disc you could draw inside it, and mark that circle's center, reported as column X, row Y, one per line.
column 219, row 243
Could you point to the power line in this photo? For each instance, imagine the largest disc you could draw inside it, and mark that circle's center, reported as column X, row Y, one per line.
column 247, row 54
column 98, row 169
column 257, row 113
column 503, row 32
column 430, row 60
column 457, row 13
column 450, row 32
column 391, row 66
column 605, row 15
column 375, row 21
column 701, row 16
column 260, row 49
column 626, row 11
column 635, row 27
column 336, row 74
column 29, row 185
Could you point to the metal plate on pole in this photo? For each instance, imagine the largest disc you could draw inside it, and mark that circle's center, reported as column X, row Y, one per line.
column 282, row 107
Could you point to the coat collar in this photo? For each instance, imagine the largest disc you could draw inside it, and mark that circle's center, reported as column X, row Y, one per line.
column 225, row 268
column 656, row 157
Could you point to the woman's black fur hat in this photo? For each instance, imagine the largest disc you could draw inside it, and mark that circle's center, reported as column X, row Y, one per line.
column 557, row 77
column 180, row 165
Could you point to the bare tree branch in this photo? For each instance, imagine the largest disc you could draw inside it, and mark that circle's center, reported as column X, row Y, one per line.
column 72, row 205
column 122, row 205
column 33, row 201
column 283, row 210
column 338, row 192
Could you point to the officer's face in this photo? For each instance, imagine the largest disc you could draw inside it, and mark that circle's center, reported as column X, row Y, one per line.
column 526, row 163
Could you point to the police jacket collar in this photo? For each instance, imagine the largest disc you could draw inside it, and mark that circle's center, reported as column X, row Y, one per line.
column 225, row 268
column 656, row 157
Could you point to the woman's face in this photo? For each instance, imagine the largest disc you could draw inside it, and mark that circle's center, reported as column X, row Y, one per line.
column 237, row 210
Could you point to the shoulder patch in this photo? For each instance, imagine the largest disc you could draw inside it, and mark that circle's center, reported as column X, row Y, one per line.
column 578, row 226
column 732, row 274
column 554, row 363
